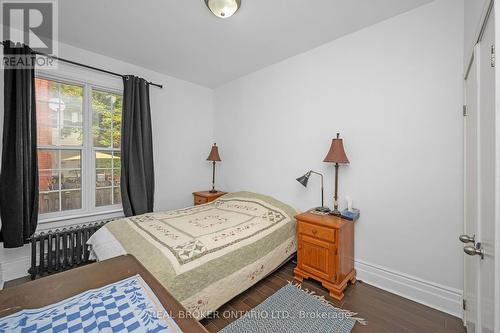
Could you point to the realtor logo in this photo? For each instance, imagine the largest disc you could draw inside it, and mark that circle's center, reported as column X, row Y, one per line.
column 33, row 23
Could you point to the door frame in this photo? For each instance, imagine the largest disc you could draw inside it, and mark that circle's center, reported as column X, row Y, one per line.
column 470, row 49
column 496, row 8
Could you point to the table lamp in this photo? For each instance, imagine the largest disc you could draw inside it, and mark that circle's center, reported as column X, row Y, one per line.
column 214, row 157
column 336, row 155
column 304, row 179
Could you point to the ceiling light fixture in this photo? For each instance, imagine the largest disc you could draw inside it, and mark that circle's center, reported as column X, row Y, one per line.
column 223, row 8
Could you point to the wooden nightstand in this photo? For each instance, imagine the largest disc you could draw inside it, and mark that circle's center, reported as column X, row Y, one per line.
column 205, row 196
column 325, row 251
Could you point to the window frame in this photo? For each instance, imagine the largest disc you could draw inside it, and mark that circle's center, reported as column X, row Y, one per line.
column 87, row 149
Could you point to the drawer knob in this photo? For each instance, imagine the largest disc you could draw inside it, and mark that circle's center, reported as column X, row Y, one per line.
column 314, row 231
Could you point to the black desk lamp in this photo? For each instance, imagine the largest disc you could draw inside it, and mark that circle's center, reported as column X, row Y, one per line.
column 304, row 179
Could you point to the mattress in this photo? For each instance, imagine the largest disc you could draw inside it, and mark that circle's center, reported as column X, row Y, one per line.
column 207, row 254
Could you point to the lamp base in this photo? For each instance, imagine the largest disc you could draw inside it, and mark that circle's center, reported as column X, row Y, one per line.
column 322, row 209
column 335, row 212
column 213, row 191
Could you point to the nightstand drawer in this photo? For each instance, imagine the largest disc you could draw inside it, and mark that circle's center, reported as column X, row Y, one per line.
column 200, row 200
column 203, row 197
column 317, row 231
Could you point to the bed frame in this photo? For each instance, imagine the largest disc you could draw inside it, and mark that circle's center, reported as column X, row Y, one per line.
column 57, row 287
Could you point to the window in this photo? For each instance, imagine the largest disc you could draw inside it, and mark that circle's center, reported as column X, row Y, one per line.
column 106, row 128
column 79, row 129
column 60, row 137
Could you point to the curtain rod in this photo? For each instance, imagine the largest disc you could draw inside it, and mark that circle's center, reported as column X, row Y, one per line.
column 88, row 66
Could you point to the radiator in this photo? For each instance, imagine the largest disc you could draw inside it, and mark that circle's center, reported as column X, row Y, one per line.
column 59, row 250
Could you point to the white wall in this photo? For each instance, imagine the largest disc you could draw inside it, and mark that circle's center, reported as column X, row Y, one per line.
column 394, row 92
column 182, row 117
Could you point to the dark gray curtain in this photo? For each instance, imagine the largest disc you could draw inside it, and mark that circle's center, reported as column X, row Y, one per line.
column 137, row 178
column 19, row 173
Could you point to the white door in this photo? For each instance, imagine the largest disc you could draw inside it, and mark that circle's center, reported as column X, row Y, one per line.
column 471, row 191
column 480, row 179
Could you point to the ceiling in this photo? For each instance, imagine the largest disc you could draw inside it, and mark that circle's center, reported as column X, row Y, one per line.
column 183, row 39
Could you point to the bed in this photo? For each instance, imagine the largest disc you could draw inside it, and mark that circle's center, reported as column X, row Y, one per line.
column 207, row 254
column 20, row 306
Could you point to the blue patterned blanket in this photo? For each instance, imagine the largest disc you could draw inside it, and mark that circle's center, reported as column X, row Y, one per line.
column 125, row 306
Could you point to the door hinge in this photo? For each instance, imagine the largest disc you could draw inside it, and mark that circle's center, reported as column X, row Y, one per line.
column 464, row 110
column 493, row 60
column 464, row 304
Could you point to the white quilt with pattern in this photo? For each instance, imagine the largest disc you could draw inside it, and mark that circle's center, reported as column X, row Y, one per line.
column 205, row 255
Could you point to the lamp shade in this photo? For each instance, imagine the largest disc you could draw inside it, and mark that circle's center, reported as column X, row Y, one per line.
column 223, row 8
column 214, row 154
column 336, row 154
column 304, row 179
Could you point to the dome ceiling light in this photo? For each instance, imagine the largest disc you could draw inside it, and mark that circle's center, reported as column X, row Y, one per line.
column 223, row 8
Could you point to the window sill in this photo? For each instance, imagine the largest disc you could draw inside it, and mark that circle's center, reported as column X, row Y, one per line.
column 70, row 220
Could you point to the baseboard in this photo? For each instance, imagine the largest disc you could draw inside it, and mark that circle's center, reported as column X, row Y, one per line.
column 14, row 263
column 434, row 295
column 14, row 270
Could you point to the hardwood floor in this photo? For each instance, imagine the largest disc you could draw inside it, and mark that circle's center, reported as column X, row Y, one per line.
column 384, row 312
